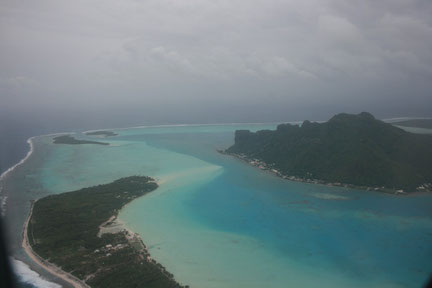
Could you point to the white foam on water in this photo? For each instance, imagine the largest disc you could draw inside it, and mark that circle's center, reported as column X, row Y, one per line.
column 30, row 142
column 3, row 201
column 3, row 198
column 26, row 275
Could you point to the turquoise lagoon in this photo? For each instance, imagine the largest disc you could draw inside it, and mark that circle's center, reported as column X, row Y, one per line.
column 217, row 222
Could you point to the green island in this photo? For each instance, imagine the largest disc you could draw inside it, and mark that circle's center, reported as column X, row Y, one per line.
column 68, row 231
column 101, row 133
column 348, row 150
column 67, row 139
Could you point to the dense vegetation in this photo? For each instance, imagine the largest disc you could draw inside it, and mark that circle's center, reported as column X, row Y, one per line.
column 101, row 133
column 67, row 139
column 352, row 149
column 63, row 229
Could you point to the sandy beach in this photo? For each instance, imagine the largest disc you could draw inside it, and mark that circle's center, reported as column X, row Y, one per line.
column 49, row 267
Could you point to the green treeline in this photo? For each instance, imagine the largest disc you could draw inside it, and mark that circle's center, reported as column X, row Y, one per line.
column 101, row 133
column 63, row 229
column 352, row 149
column 67, row 139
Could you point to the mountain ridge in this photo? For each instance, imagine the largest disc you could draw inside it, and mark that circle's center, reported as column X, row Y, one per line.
column 355, row 149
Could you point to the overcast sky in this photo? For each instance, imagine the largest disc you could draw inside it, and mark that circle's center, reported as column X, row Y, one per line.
column 216, row 60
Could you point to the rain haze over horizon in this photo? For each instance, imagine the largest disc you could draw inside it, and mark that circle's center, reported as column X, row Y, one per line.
column 317, row 210
column 115, row 63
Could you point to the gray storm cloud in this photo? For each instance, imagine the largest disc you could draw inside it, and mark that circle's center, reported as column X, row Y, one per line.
column 218, row 60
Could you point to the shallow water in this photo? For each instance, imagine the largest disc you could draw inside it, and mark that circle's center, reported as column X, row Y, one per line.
column 217, row 222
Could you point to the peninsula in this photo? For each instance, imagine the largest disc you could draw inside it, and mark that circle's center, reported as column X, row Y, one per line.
column 67, row 139
column 72, row 232
column 348, row 150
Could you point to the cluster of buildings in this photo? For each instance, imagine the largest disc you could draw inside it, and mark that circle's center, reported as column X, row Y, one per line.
column 109, row 249
column 271, row 167
column 427, row 187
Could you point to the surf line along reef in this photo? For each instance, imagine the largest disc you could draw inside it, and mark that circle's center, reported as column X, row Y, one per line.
column 69, row 235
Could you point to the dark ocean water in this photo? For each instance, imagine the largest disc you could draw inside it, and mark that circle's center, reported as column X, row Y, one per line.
column 16, row 129
column 13, row 148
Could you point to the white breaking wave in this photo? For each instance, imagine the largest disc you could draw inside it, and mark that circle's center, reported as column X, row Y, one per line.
column 398, row 119
column 30, row 142
column 3, row 198
column 191, row 125
column 26, row 275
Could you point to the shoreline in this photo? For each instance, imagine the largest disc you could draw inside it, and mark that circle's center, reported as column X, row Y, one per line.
column 3, row 198
column 36, row 259
column 29, row 140
column 263, row 166
column 189, row 125
column 29, row 153
column 47, row 266
column 113, row 225
column 5, row 174
column 123, row 227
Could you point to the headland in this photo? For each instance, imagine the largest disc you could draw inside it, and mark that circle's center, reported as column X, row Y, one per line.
column 71, row 236
column 356, row 151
